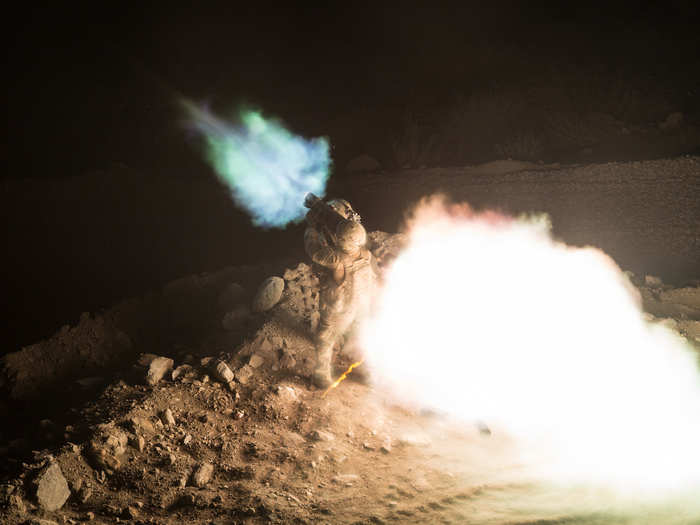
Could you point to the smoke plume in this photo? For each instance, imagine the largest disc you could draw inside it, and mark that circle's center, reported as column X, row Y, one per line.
column 485, row 317
column 268, row 169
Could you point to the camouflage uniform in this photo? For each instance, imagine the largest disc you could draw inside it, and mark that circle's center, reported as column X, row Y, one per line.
column 346, row 281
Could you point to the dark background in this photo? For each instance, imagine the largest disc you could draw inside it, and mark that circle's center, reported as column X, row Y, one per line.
column 106, row 195
column 93, row 85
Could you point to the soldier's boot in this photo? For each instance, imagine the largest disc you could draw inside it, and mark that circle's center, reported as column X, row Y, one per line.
column 322, row 373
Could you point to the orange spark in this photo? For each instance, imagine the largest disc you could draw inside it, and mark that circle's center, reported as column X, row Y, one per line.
column 343, row 376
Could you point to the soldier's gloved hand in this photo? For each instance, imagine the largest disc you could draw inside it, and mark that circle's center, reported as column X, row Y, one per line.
column 339, row 274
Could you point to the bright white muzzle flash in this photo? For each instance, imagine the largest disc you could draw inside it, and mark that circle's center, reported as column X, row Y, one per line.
column 487, row 317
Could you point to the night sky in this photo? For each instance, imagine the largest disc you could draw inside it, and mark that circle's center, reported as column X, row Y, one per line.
column 93, row 86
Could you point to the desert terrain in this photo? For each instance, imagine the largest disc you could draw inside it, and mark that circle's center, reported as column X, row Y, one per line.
column 191, row 403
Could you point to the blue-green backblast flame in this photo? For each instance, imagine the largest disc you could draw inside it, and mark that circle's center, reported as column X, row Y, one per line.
column 268, row 169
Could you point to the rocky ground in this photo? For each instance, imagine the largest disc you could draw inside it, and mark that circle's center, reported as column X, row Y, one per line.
column 193, row 405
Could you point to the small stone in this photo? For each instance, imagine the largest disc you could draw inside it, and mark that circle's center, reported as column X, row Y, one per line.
column 264, row 345
column 140, row 443
column 244, row 374
column 269, row 294
column 168, row 417
column 223, row 372
column 17, row 503
column 287, row 360
column 255, row 361
column 286, row 393
column 345, row 479
column 320, row 435
column 89, row 516
column 157, row 369
column 386, row 446
column 75, row 485
column 652, row 281
column 202, row 475
column 367, row 446
column 187, row 439
column 180, row 371
column 182, row 482
column 140, row 424
column 290, row 274
column 414, row 440
column 145, row 360
column 108, row 447
column 52, row 488
column 84, row 493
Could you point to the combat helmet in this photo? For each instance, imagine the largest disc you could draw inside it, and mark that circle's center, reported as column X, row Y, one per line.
column 343, row 208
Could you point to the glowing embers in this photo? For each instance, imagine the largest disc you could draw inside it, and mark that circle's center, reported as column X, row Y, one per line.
column 342, row 377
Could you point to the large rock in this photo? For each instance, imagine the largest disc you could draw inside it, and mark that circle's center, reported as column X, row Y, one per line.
column 269, row 294
column 51, row 488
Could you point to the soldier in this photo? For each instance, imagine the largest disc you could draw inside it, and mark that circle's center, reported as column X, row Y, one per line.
column 346, row 271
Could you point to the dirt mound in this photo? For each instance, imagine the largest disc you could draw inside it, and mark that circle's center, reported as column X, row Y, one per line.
column 164, row 322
